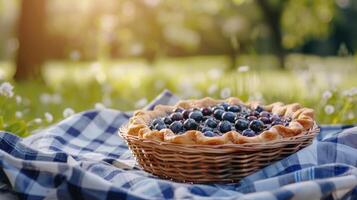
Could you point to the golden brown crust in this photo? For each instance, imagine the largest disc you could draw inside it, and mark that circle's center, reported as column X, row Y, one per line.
column 302, row 119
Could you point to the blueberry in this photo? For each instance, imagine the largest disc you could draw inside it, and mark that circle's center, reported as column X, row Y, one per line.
column 190, row 124
column 176, row 127
column 206, row 111
column 241, row 116
column 218, row 114
column 238, row 116
column 205, row 129
column 157, row 121
column 244, row 114
column 176, row 116
column 225, row 105
column 186, row 113
column 196, row 115
column 251, row 118
column 256, row 125
column 204, row 118
column 248, row 133
column 254, row 113
column 264, row 114
column 224, row 126
column 211, row 123
column 267, row 126
column 241, row 124
column 277, row 122
column 209, row 134
column 229, row 116
column 218, row 107
column 265, row 120
column 160, row 126
column 179, row 109
column 259, row 109
column 274, row 117
column 234, row 108
column 216, row 131
column 167, row 120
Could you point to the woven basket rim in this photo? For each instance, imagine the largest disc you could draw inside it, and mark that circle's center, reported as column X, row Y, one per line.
column 246, row 146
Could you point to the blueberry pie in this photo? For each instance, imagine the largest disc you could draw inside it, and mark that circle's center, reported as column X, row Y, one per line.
column 231, row 121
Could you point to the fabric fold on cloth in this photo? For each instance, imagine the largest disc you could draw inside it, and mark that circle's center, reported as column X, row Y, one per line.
column 83, row 157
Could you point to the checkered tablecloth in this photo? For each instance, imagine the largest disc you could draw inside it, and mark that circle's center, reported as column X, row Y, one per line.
column 83, row 157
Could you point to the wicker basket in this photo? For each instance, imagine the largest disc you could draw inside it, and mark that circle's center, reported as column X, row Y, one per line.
column 211, row 163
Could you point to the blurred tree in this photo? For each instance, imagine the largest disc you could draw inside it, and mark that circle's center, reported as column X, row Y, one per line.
column 238, row 24
column 316, row 21
column 8, row 16
column 292, row 22
column 343, row 34
column 272, row 12
column 31, row 36
column 154, row 28
column 148, row 31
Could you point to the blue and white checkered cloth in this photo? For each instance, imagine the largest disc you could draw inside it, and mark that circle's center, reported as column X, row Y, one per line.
column 83, row 157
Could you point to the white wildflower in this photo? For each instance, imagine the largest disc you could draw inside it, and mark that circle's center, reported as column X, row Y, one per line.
column 215, row 73
column 243, row 68
column 152, row 3
column 212, row 89
column 106, row 88
column 141, row 103
column 18, row 99
column 107, row 101
column 326, row 95
column 45, row 98
column 75, row 55
column 231, row 26
column 2, row 74
column 56, row 98
column 343, row 51
column 135, row 83
column 48, row 117
column 68, row 112
column 6, row 89
column 99, row 106
column 99, row 73
column 187, row 89
column 329, row 109
column 257, row 96
column 18, row 114
column 159, row 84
column 350, row 92
column 37, row 120
column 136, row 49
column 350, row 115
column 225, row 93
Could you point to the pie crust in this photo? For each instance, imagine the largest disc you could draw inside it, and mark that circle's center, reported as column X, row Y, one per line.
column 302, row 120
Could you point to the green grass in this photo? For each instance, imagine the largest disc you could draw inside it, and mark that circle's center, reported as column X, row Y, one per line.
column 129, row 84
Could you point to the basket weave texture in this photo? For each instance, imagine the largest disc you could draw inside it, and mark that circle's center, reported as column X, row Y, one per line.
column 211, row 163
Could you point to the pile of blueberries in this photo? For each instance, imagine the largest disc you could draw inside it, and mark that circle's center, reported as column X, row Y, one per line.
column 219, row 119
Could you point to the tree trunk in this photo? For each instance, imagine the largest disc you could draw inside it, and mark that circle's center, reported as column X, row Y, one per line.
column 233, row 53
column 278, row 40
column 272, row 15
column 31, row 36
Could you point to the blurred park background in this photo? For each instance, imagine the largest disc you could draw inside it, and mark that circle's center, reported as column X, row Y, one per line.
column 64, row 56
